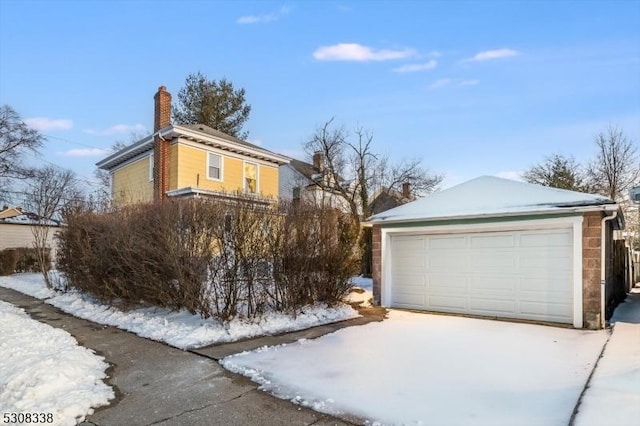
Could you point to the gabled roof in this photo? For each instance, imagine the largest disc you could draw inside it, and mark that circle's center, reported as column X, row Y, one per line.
column 305, row 169
column 197, row 133
column 489, row 196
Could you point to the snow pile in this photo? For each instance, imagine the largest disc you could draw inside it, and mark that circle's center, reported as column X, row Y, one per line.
column 361, row 292
column 43, row 370
column 180, row 329
column 432, row 369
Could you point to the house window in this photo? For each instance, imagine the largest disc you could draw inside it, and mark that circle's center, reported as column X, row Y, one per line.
column 250, row 178
column 214, row 166
column 151, row 166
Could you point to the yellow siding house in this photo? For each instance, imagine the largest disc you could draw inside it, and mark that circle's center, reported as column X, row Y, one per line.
column 189, row 161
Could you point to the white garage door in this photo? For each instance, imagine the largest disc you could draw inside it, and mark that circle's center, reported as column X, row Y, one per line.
column 515, row 274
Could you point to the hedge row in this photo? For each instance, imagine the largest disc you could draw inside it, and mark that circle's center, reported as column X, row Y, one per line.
column 212, row 257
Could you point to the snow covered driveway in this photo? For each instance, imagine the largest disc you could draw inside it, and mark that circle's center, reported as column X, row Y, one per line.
column 431, row 369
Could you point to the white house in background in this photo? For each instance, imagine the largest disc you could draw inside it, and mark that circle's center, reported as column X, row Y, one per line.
column 301, row 181
column 16, row 229
column 500, row 248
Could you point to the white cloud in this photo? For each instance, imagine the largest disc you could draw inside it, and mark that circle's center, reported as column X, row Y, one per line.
column 463, row 83
column 44, row 124
column 510, row 174
column 262, row 19
column 85, row 152
column 117, row 130
column 443, row 82
column 452, row 82
column 493, row 54
column 416, row 67
column 257, row 142
column 359, row 53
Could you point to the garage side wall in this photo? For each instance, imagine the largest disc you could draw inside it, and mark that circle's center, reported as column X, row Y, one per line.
column 377, row 263
column 591, row 270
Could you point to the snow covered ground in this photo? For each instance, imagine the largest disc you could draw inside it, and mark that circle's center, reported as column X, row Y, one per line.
column 613, row 395
column 43, row 370
column 433, row 370
column 180, row 329
column 361, row 292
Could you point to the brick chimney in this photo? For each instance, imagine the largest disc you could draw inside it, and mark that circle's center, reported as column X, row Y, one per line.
column 406, row 190
column 318, row 160
column 162, row 119
column 162, row 116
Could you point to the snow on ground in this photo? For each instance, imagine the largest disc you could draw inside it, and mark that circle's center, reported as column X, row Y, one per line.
column 433, row 369
column 613, row 395
column 361, row 292
column 43, row 370
column 180, row 329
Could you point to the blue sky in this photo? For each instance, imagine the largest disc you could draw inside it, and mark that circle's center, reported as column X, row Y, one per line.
column 470, row 87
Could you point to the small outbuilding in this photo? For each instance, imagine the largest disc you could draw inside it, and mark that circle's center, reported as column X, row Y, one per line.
column 500, row 248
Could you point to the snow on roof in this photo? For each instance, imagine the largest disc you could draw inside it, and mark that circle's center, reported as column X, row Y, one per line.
column 489, row 196
column 26, row 218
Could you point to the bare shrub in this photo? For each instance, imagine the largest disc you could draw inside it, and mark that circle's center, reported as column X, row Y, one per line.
column 221, row 258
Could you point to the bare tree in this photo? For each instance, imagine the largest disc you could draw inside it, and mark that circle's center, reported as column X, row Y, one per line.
column 52, row 189
column 16, row 140
column 351, row 168
column 616, row 168
column 557, row 171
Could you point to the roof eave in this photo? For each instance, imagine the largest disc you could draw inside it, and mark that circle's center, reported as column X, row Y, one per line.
column 557, row 210
column 179, row 131
column 126, row 153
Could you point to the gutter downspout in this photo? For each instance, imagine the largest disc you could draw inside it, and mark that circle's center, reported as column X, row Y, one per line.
column 603, row 264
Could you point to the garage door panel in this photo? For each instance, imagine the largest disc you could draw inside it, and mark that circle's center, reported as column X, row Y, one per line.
column 441, row 263
column 555, row 284
column 408, row 244
column 492, row 283
column 555, row 310
column 492, row 241
column 513, row 274
column 504, row 261
column 546, row 239
column 410, row 300
column 447, row 302
column 447, row 281
column 555, row 261
column 411, row 264
column 445, row 243
column 489, row 305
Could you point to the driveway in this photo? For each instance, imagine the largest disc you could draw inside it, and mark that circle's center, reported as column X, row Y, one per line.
column 419, row 368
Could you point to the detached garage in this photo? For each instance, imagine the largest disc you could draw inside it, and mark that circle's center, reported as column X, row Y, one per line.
column 498, row 248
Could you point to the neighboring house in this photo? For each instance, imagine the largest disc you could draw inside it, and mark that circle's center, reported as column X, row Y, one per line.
column 500, row 248
column 190, row 161
column 16, row 229
column 301, row 181
column 386, row 199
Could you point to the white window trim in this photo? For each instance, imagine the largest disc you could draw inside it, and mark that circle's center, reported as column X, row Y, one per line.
column 573, row 222
column 209, row 154
column 151, row 164
column 244, row 178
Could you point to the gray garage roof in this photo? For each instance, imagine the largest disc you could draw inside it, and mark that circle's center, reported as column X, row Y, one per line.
column 490, row 196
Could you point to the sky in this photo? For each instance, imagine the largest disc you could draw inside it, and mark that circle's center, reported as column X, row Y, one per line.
column 469, row 87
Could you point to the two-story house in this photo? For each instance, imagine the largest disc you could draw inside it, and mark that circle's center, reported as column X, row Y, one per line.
column 190, row 161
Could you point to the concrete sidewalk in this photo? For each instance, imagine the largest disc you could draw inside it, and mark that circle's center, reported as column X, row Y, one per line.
column 156, row 384
column 613, row 393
